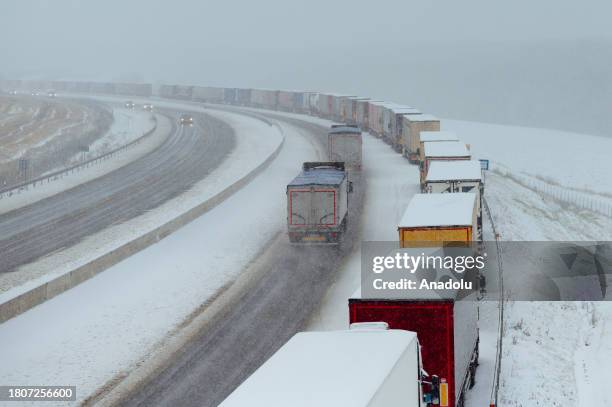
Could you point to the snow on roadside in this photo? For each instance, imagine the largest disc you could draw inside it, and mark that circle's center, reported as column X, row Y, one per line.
column 128, row 125
column 554, row 352
column 573, row 160
column 33, row 194
column 149, row 294
column 562, row 369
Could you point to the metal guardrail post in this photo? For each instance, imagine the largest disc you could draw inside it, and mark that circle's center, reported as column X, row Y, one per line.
column 498, row 356
column 60, row 173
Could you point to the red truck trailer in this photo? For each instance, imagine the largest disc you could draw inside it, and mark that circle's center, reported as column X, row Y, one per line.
column 447, row 331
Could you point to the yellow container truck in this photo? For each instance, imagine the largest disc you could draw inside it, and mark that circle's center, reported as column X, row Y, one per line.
column 436, row 220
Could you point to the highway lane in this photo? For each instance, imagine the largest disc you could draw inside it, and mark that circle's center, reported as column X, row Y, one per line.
column 60, row 221
column 291, row 281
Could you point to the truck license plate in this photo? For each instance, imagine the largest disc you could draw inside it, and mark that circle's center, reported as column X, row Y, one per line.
column 314, row 238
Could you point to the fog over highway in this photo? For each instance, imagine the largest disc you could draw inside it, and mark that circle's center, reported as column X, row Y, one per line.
column 548, row 60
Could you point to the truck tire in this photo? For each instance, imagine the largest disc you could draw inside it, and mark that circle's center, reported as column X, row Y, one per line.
column 472, row 375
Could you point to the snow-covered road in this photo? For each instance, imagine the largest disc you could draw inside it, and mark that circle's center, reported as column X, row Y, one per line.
column 390, row 184
column 103, row 328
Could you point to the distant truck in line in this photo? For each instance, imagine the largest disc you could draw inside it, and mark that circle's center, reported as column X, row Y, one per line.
column 317, row 203
column 442, row 151
column 365, row 366
column 433, row 137
column 457, row 176
column 344, row 144
column 411, row 134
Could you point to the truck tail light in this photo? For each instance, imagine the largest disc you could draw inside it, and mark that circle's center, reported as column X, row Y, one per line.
column 443, row 393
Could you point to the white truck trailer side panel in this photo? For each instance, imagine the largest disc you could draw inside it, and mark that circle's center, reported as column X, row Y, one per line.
column 361, row 368
column 465, row 337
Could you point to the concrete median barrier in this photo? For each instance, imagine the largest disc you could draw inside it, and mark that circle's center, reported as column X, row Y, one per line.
column 45, row 291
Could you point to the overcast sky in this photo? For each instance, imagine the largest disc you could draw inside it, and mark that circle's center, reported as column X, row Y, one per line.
column 174, row 39
column 530, row 62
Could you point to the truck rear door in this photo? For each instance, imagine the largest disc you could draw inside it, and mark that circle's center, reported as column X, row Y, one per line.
column 315, row 207
column 323, row 208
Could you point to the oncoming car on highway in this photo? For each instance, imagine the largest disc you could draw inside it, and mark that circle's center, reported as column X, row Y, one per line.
column 129, row 104
column 186, row 120
column 148, row 107
column 51, row 94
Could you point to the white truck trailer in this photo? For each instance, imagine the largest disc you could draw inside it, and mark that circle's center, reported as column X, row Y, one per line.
column 365, row 367
column 457, row 176
column 442, row 151
column 317, row 203
column 344, row 144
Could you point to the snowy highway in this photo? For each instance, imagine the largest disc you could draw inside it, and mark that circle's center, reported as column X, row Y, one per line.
column 285, row 286
column 156, row 292
column 62, row 220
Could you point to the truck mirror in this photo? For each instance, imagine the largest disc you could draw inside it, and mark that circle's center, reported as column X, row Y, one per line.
column 350, row 186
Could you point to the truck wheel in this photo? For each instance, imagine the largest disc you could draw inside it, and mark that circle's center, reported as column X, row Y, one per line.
column 472, row 375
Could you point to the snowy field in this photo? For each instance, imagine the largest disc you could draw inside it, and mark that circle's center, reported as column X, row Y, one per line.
column 128, row 125
column 555, row 353
column 118, row 134
column 147, row 296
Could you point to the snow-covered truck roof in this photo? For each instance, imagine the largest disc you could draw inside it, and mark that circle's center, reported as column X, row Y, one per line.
column 433, row 210
column 319, row 176
column 421, row 118
column 344, row 129
column 442, row 135
column 405, row 110
column 464, row 170
column 446, row 149
column 326, row 369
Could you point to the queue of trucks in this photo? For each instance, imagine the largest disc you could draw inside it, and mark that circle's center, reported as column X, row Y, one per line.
column 419, row 352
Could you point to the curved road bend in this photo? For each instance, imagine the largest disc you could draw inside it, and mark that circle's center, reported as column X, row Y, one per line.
column 187, row 156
